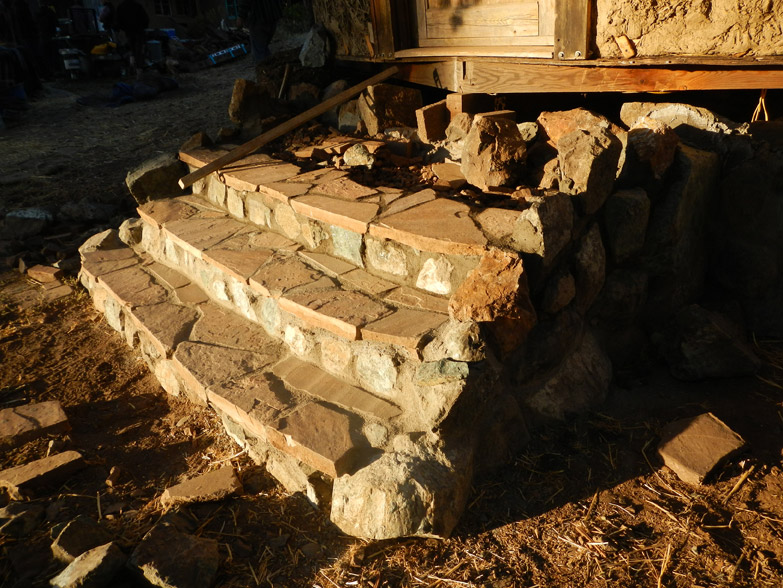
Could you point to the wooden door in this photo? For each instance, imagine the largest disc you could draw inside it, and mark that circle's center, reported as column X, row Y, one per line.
column 485, row 23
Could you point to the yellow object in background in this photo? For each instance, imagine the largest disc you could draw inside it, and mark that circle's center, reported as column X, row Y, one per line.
column 103, row 49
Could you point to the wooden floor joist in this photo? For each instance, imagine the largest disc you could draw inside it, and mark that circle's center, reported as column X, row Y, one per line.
column 491, row 77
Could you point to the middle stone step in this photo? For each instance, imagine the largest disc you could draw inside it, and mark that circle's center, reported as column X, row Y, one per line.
column 363, row 329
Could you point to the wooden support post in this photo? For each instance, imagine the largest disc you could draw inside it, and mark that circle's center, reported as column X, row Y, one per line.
column 381, row 13
column 572, row 29
column 286, row 127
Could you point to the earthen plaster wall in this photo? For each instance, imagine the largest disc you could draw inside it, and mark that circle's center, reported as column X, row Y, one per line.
column 730, row 28
column 348, row 22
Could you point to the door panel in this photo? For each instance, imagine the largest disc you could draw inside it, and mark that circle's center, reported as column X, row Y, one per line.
column 485, row 22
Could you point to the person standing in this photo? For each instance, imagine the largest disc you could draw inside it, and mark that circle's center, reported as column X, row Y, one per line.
column 47, row 28
column 260, row 17
column 132, row 19
column 107, row 18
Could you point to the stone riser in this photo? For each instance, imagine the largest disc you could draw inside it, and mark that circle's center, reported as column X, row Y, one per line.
column 314, row 433
column 276, row 399
column 435, row 271
column 386, row 369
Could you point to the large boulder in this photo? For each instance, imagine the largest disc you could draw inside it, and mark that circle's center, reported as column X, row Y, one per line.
column 588, row 166
column 626, row 213
column 676, row 248
column 652, row 143
column 555, row 125
column 496, row 292
column 385, row 106
column 316, row 48
column 25, row 222
column 589, row 268
column 544, row 228
column 698, row 126
column 705, row 344
column 413, row 489
column 747, row 243
column 494, row 152
column 579, row 383
column 156, row 178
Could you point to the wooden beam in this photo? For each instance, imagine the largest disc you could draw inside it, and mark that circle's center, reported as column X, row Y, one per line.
column 572, row 29
column 381, row 13
column 523, row 51
column 446, row 75
column 286, row 127
column 500, row 77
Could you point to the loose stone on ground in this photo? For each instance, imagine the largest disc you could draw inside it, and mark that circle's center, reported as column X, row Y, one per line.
column 31, row 421
column 215, row 485
column 694, row 447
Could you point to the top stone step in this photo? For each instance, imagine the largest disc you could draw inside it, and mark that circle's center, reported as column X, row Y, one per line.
column 422, row 240
column 423, row 220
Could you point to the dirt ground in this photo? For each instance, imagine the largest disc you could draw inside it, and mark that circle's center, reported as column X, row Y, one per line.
column 587, row 503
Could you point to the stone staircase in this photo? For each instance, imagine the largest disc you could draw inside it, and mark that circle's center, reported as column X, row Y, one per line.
column 313, row 314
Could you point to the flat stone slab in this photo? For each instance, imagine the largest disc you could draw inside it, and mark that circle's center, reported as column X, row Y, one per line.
column 364, row 281
column 281, row 274
column 239, row 264
column 440, row 226
column 168, row 276
column 133, row 286
column 694, row 447
column 404, row 327
column 19, row 519
column 253, row 401
column 195, row 235
column 202, row 366
column 339, row 311
column 409, row 201
column 208, row 487
column 104, row 261
column 304, row 377
column 346, row 214
column 21, row 424
column 166, row 324
column 321, row 436
column 283, row 191
column 224, row 328
column 326, row 263
column 23, row 480
column 93, row 569
column 78, row 536
column 251, row 172
column 45, row 273
column 407, row 296
column 200, row 156
column 168, row 558
column 160, row 212
column 343, row 188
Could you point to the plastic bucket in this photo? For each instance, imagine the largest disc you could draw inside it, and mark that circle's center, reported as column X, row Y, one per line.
column 154, row 51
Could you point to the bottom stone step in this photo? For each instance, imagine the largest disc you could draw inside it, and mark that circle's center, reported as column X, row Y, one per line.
column 339, row 444
column 218, row 358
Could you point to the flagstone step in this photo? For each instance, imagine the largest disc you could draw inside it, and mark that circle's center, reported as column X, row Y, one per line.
column 327, row 311
column 422, row 240
column 215, row 357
